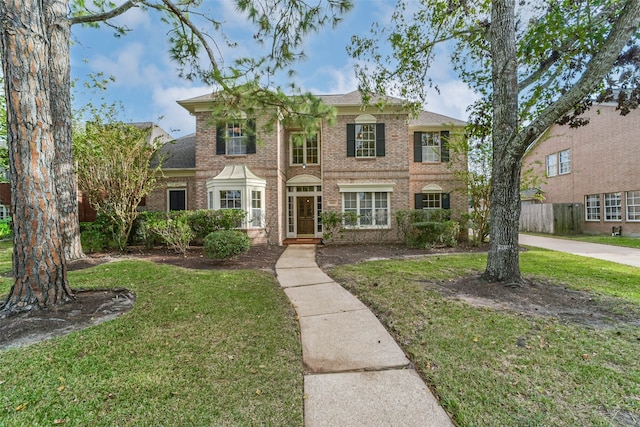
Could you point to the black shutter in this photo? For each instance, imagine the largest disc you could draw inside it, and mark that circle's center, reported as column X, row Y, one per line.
column 380, row 140
column 251, row 136
column 221, row 146
column 417, row 147
column 351, row 140
column 446, row 203
column 418, row 199
column 444, row 146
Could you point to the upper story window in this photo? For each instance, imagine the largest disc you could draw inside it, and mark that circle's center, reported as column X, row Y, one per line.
column 236, row 138
column 552, row 164
column 365, row 138
column 236, row 142
column 304, row 149
column 431, row 147
column 565, row 162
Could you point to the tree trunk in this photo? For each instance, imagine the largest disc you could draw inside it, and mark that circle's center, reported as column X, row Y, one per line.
column 503, row 263
column 59, row 29
column 39, row 266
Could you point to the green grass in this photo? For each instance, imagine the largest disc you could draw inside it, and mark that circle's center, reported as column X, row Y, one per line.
column 6, row 253
column 199, row 348
column 627, row 242
column 565, row 376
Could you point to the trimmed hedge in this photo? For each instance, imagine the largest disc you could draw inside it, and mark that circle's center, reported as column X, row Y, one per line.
column 225, row 244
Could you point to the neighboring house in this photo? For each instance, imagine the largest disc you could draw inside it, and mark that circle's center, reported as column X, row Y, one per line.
column 372, row 162
column 86, row 213
column 594, row 165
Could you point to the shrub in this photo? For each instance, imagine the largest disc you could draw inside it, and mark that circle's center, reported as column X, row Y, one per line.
column 92, row 239
column 204, row 222
column 225, row 244
column 332, row 226
column 6, row 229
column 142, row 229
column 101, row 234
column 428, row 233
column 175, row 232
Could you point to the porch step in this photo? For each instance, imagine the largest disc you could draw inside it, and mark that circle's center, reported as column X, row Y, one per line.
column 302, row 241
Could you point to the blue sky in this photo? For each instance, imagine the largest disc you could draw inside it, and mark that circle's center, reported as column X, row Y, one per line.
column 147, row 83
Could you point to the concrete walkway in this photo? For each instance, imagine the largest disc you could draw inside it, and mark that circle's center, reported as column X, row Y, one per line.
column 355, row 373
column 628, row 256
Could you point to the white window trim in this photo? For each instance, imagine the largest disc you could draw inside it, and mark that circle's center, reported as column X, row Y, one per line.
column 437, row 149
column 368, row 188
column 351, row 187
column 637, row 205
column 555, row 166
column 604, row 205
column 171, row 188
column 238, row 178
column 586, row 209
column 370, row 155
column 568, row 162
column 304, row 149
column 243, row 138
column 439, row 194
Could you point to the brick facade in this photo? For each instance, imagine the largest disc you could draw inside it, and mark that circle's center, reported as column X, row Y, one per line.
column 603, row 161
column 394, row 173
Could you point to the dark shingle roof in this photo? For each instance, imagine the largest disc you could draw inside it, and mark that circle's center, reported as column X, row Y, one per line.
column 427, row 118
column 179, row 153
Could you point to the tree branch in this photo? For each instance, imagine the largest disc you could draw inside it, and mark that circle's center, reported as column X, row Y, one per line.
column 602, row 61
column 100, row 17
column 203, row 40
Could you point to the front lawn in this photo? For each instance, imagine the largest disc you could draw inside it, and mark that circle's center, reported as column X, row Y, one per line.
column 198, row 348
column 493, row 367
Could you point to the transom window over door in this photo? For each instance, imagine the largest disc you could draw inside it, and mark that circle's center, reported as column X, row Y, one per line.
column 304, row 149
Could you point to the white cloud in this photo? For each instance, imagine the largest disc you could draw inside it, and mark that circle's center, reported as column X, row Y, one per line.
column 453, row 100
column 134, row 19
column 169, row 114
column 124, row 66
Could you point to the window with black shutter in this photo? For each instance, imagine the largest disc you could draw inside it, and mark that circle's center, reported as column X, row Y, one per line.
column 235, row 138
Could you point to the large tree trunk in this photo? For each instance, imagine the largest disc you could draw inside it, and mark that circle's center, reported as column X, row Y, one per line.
column 503, row 263
column 39, row 266
column 59, row 29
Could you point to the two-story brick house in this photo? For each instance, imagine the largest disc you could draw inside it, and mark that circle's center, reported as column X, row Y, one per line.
column 594, row 165
column 371, row 162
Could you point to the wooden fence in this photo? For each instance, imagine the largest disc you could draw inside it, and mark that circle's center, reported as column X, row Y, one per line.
column 556, row 218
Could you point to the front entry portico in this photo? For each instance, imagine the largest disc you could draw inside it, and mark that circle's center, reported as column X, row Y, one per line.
column 304, row 206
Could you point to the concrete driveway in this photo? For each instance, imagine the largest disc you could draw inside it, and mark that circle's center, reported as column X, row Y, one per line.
column 628, row 256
